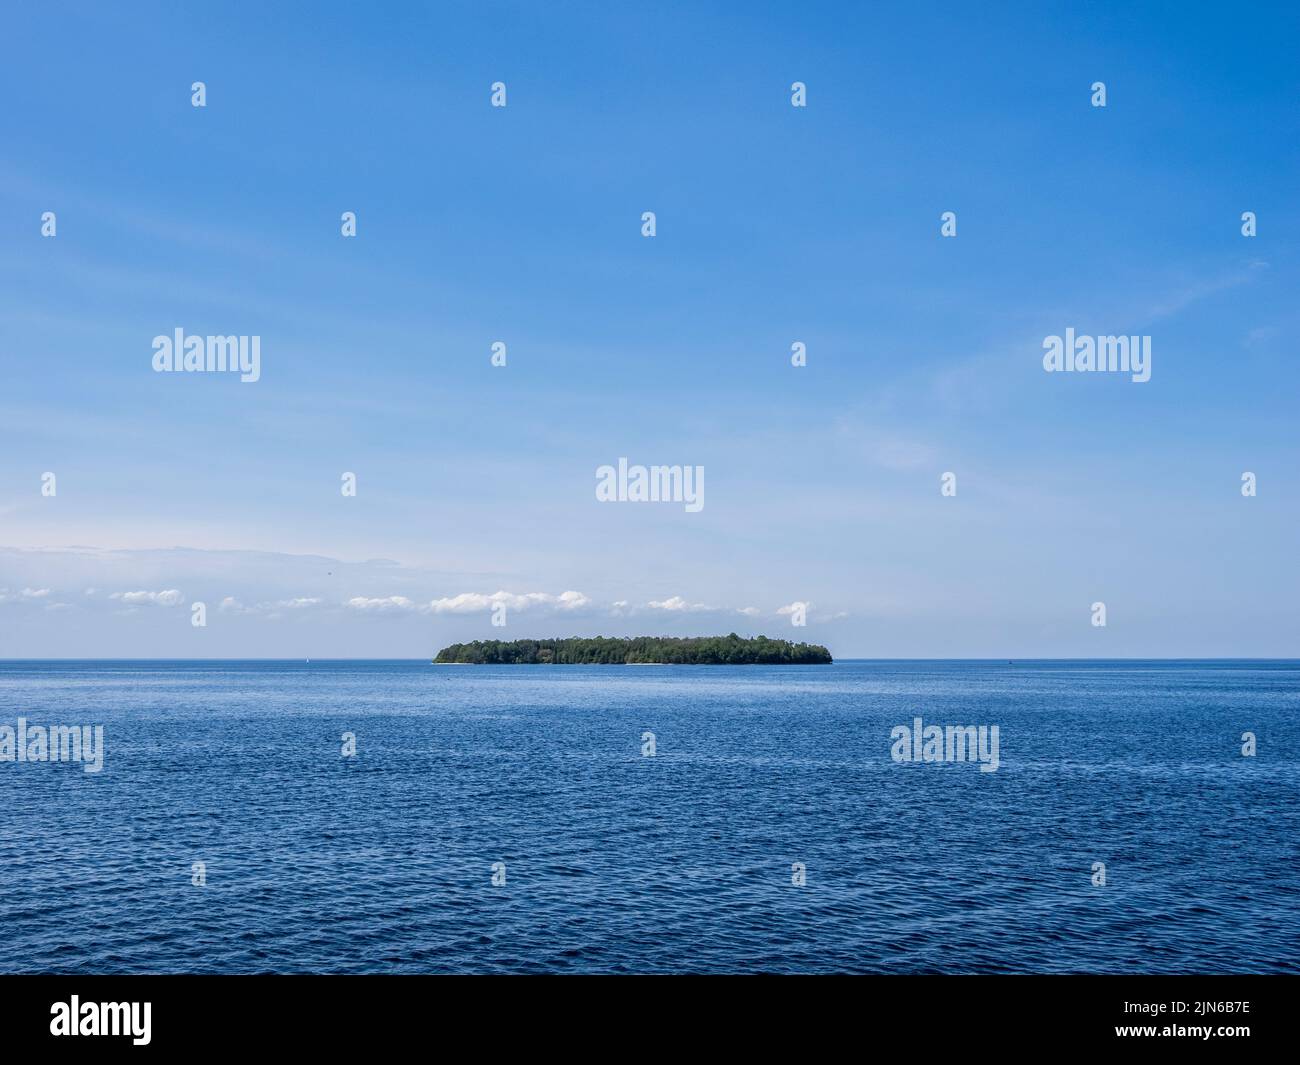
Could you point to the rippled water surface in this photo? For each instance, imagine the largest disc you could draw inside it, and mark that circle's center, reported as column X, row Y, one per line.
column 681, row 862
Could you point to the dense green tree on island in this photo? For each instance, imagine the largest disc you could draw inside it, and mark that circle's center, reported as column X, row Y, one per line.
column 730, row 650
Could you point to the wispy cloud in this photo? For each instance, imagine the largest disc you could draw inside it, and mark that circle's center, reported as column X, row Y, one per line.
column 475, row 602
column 169, row 597
column 231, row 605
column 27, row 595
column 393, row 604
column 676, row 604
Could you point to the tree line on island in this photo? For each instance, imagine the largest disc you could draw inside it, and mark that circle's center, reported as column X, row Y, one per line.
column 731, row 650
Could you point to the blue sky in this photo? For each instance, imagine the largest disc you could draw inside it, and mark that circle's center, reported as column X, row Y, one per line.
column 775, row 224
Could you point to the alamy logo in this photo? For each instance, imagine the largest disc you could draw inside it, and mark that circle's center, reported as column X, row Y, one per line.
column 653, row 484
column 1071, row 354
column 102, row 1018
column 951, row 743
column 58, row 743
column 196, row 354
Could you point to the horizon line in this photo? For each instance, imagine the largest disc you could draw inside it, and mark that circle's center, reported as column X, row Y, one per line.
column 1011, row 659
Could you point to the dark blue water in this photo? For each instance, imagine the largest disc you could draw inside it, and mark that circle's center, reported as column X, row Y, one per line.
column 680, row 862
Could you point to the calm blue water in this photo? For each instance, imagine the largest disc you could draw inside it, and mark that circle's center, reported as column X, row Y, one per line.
column 680, row 862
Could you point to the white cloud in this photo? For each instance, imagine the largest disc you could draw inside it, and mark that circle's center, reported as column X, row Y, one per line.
column 27, row 595
column 231, row 605
column 301, row 603
column 393, row 604
column 170, row 597
column 476, row 602
column 749, row 611
column 793, row 607
column 677, row 604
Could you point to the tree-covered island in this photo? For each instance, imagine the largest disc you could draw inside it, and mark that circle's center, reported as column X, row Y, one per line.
column 731, row 650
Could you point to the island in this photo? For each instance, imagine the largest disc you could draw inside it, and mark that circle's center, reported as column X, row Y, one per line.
column 731, row 650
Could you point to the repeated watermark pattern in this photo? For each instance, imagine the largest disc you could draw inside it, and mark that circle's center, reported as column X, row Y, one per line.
column 1103, row 354
column 919, row 742
column 179, row 353
column 916, row 743
column 25, row 743
column 626, row 483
